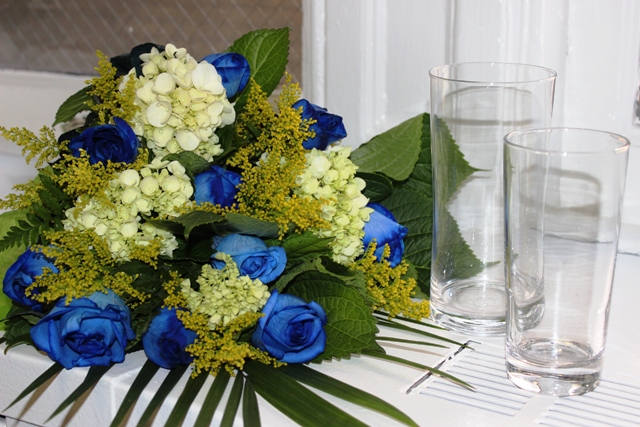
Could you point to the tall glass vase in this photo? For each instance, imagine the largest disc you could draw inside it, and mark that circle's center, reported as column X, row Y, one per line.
column 473, row 106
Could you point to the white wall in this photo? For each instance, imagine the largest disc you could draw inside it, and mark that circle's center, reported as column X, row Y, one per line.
column 369, row 60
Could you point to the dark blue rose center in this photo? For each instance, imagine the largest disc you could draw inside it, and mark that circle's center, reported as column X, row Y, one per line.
column 93, row 345
column 171, row 348
column 253, row 265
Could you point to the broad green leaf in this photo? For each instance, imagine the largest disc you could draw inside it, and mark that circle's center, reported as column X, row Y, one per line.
column 192, row 163
column 302, row 247
column 53, row 370
column 378, row 186
column 294, row 400
column 393, row 153
column 194, row 219
column 452, row 167
column 454, row 254
column 233, row 403
column 350, row 327
column 163, row 391
column 187, row 396
column 143, row 378
column 250, row 409
column 213, row 399
column 9, row 255
column 92, row 378
column 238, row 223
column 334, row 387
column 72, row 106
column 267, row 52
column 413, row 364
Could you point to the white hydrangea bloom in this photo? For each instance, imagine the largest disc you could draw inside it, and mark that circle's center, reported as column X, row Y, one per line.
column 224, row 294
column 159, row 188
column 182, row 103
column 330, row 175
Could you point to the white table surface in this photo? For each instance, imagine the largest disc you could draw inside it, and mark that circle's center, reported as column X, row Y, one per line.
column 23, row 364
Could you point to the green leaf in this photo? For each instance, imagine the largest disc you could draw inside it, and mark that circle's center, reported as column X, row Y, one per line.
column 53, row 370
column 267, row 52
column 72, row 106
column 195, row 219
column 400, row 340
column 250, row 409
column 163, row 391
column 395, row 325
column 9, row 255
column 303, row 247
column 334, row 387
column 192, row 163
column 238, row 223
column 294, row 400
column 187, row 396
column 143, row 378
column 92, row 378
column 350, row 327
column 394, row 152
column 378, row 186
column 233, row 403
column 213, row 399
column 419, row 366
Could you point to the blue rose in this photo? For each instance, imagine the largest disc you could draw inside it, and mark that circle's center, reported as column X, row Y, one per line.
column 90, row 331
column 116, row 143
column 253, row 257
column 328, row 127
column 216, row 185
column 22, row 274
column 234, row 70
column 291, row 329
column 383, row 227
column 166, row 339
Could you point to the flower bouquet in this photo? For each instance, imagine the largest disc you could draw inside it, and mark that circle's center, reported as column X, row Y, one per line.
column 219, row 230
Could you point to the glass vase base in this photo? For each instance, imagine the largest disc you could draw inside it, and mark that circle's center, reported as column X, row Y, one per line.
column 559, row 385
column 470, row 307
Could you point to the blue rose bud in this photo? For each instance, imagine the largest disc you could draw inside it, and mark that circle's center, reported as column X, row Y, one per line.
column 166, row 339
column 116, row 143
column 383, row 227
column 291, row 329
column 22, row 274
column 216, row 185
column 253, row 257
column 328, row 127
column 90, row 331
column 234, row 70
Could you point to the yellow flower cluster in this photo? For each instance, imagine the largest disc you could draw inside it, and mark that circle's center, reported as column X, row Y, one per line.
column 217, row 348
column 389, row 287
column 116, row 99
column 45, row 147
column 267, row 188
column 84, row 261
column 224, row 294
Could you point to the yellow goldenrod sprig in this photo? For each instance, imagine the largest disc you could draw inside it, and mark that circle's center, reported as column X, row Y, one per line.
column 388, row 287
column 106, row 87
column 45, row 147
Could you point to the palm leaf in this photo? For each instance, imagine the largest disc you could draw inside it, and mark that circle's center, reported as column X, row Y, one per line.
column 323, row 382
column 233, row 403
column 294, row 400
column 419, row 366
column 92, row 378
column 396, row 325
column 213, row 399
column 43, row 378
column 183, row 403
column 147, row 372
column 165, row 388
column 400, row 340
column 250, row 410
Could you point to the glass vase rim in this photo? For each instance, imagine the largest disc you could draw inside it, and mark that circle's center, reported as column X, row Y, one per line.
column 621, row 148
column 551, row 76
